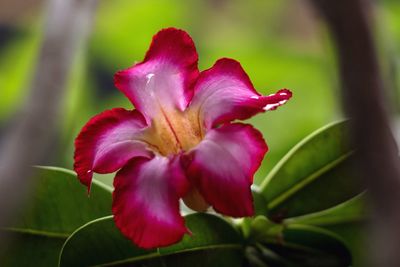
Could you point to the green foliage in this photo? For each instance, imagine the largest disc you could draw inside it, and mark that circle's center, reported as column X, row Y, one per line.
column 351, row 211
column 313, row 189
column 315, row 175
column 296, row 245
column 60, row 205
column 213, row 242
column 308, row 214
column 303, row 245
column 347, row 220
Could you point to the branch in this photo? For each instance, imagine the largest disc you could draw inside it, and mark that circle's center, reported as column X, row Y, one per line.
column 364, row 102
column 66, row 31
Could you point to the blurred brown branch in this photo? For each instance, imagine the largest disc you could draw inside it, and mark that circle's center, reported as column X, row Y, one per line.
column 66, row 30
column 364, row 101
column 13, row 11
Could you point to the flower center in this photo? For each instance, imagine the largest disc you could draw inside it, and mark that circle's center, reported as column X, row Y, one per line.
column 175, row 131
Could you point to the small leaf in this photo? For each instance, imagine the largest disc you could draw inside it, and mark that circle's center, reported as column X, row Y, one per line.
column 214, row 242
column 315, row 175
column 59, row 205
column 306, row 246
column 348, row 220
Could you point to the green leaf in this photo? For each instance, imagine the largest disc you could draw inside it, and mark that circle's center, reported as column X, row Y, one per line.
column 351, row 211
column 347, row 220
column 59, row 205
column 315, row 175
column 32, row 250
column 214, row 242
column 354, row 235
column 306, row 246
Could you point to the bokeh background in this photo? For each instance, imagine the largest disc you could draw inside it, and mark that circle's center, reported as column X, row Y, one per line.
column 280, row 43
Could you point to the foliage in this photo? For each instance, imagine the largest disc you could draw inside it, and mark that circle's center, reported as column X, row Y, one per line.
column 59, row 206
column 65, row 227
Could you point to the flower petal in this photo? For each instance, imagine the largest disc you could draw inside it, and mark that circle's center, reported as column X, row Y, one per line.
column 224, row 93
column 107, row 142
column 165, row 78
column 146, row 201
column 222, row 167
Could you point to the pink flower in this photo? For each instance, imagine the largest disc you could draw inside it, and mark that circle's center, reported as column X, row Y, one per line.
column 179, row 142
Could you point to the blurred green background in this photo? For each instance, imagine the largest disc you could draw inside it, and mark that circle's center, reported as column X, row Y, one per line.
column 280, row 43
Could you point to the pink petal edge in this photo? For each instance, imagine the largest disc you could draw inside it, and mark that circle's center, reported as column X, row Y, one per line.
column 146, row 201
column 107, row 142
column 223, row 165
column 224, row 93
column 165, row 78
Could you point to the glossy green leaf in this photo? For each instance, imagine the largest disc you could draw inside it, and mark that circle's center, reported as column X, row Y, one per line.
column 214, row 242
column 59, row 205
column 351, row 211
column 32, row 250
column 354, row 235
column 304, row 246
column 315, row 175
column 348, row 220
